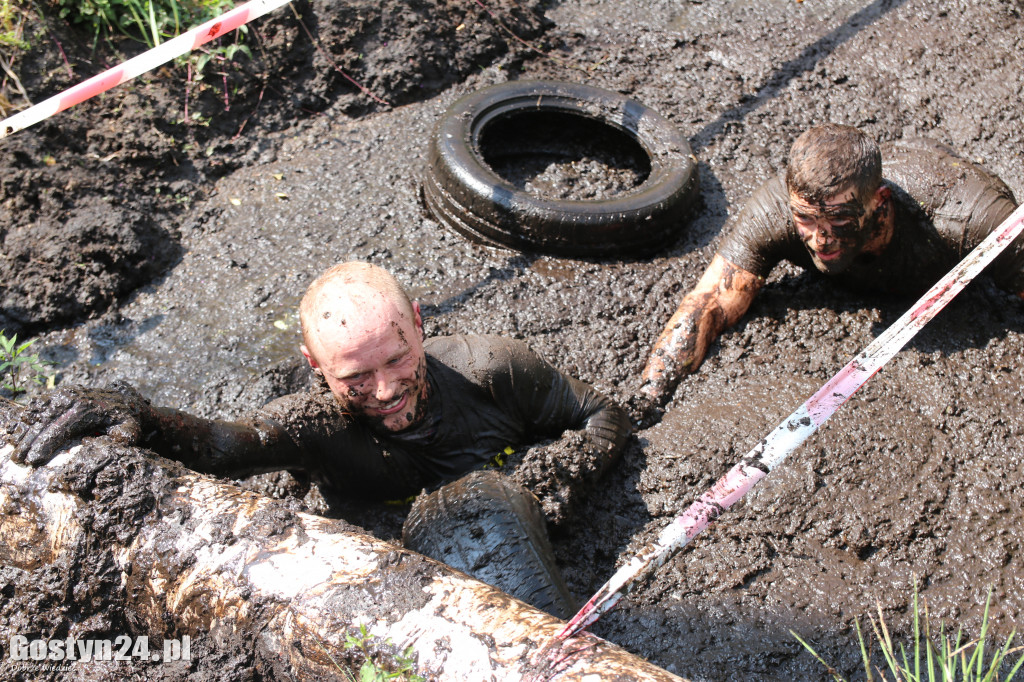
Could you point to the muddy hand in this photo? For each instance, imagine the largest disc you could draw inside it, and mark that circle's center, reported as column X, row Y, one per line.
column 75, row 412
column 676, row 353
column 644, row 411
column 657, row 385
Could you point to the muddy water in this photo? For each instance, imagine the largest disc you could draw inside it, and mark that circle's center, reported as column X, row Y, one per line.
column 917, row 477
column 560, row 156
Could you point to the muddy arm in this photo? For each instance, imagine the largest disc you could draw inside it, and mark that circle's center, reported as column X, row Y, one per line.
column 591, row 432
column 242, row 448
column 721, row 297
column 54, row 421
column 605, row 424
column 554, row 402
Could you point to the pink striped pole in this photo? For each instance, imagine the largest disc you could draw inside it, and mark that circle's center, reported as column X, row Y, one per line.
column 161, row 54
column 796, row 428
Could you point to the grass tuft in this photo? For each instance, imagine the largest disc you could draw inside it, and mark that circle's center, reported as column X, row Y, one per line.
column 146, row 21
column 947, row 658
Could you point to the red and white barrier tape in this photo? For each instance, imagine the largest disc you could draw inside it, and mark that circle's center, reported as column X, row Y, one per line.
column 147, row 61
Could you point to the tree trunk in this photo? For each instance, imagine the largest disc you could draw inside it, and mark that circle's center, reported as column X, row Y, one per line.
column 246, row 574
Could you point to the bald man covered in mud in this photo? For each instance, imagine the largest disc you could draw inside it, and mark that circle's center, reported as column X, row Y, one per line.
column 393, row 414
column 892, row 226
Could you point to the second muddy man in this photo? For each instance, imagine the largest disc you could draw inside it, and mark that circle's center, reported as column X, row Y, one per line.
column 892, row 226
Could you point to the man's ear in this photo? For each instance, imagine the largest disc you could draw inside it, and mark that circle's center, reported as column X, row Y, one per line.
column 882, row 194
column 418, row 319
column 310, row 359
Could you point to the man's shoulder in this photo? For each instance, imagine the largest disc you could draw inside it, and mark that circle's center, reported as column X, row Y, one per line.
column 919, row 165
column 492, row 363
column 932, row 176
column 769, row 206
column 485, row 358
column 910, row 148
column 761, row 235
column 475, row 351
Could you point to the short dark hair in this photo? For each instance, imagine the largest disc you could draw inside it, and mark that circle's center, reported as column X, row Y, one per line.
column 829, row 158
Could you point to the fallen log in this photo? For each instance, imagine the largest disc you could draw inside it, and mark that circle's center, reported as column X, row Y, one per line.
column 247, row 575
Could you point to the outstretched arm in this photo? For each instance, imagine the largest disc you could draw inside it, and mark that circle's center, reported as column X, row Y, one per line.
column 249, row 446
column 121, row 413
column 721, row 297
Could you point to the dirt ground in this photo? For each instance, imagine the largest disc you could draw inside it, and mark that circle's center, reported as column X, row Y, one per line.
column 171, row 251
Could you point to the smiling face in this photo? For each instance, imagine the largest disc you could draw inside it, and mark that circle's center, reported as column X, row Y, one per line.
column 839, row 228
column 369, row 349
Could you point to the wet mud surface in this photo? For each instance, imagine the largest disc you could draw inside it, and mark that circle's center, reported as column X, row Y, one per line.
column 917, row 477
column 557, row 156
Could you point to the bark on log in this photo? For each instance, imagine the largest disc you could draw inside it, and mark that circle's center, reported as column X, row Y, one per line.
column 240, row 572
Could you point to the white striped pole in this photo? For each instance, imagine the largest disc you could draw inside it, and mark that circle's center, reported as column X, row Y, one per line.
column 796, row 428
column 161, row 54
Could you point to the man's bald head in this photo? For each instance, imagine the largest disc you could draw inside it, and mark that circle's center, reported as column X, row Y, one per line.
column 352, row 293
column 364, row 336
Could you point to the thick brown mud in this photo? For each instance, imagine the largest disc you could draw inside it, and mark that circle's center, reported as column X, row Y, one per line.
column 557, row 156
column 916, row 479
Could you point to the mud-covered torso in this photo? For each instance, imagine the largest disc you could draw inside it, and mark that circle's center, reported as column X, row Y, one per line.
column 487, row 393
column 943, row 207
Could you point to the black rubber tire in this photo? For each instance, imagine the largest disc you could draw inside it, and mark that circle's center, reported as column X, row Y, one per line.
column 463, row 192
column 488, row 527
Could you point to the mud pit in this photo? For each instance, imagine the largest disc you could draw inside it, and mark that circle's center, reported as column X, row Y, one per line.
column 914, row 477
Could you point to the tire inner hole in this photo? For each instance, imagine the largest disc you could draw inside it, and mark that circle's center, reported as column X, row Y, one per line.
column 556, row 155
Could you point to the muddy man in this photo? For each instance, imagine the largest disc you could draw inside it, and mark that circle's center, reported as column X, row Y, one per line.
column 895, row 226
column 393, row 414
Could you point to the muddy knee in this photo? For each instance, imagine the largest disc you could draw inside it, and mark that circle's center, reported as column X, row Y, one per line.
column 491, row 528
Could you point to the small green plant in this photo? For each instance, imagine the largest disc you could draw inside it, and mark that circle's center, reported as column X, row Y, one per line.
column 222, row 53
column 147, row 21
column 12, row 18
column 951, row 661
column 370, row 671
column 18, row 368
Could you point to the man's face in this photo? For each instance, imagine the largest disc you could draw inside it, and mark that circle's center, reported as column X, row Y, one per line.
column 834, row 231
column 374, row 364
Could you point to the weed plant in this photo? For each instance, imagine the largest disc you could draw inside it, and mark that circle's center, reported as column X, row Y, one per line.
column 951, row 659
column 12, row 22
column 12, row 16
column 153, row 21
column 370, row 671
column 18, row 368
column 147, row 21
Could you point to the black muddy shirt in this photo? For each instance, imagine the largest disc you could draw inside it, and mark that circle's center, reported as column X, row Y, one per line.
column 486, row 393
column 944, row 206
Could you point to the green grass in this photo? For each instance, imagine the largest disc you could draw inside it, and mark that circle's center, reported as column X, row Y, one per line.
column 12, row 42
column 370, row 670
column 147, row 21
column 12, row 18
column 932, row 657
